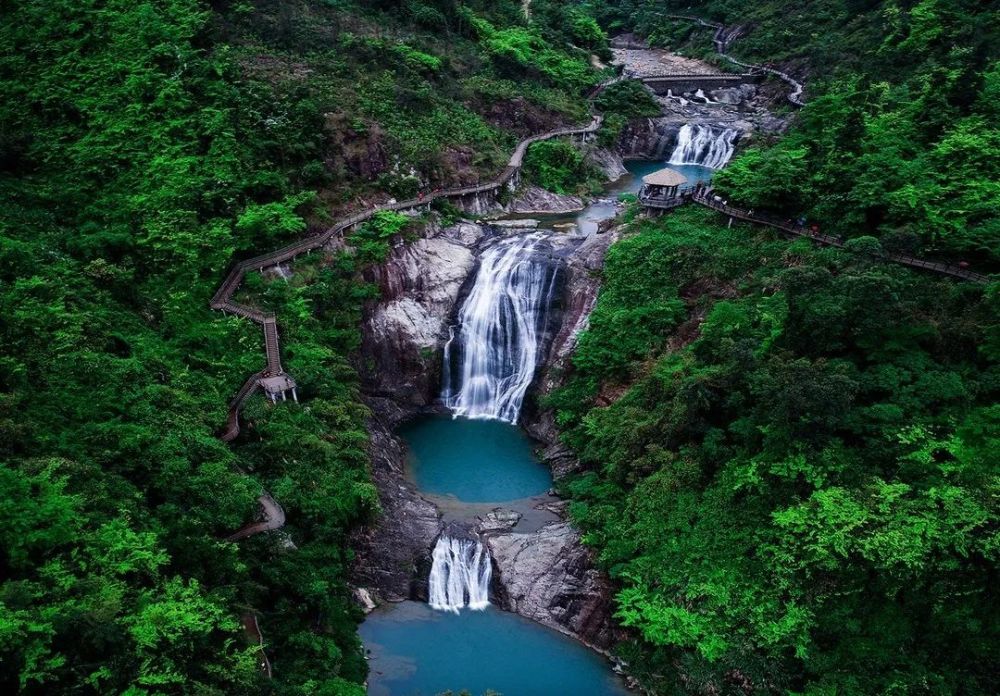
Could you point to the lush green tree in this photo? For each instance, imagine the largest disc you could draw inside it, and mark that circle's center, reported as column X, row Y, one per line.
column 789, row 481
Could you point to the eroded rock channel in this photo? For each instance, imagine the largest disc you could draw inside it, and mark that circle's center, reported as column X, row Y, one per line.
column 475, row 322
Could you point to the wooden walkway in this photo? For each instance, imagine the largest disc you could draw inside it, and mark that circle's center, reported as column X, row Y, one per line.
column 223, row 298
column 705, row 197
column 723, row 37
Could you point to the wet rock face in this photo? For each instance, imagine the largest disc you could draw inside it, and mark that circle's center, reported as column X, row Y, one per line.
column 583, row 283
column 746, row 108
column 543, row 571
column 406, row 329
column 394, row 552
column 549, row 576
column 738, row 108
column 609, row 162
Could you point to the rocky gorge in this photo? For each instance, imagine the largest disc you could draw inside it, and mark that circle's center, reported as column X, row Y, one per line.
column 540, row 568
column 544, row 573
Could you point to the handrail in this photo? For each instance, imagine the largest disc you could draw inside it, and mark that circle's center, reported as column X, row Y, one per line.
column 222, row 299
column 702, row 197
column 680, row 77
column 235, row 277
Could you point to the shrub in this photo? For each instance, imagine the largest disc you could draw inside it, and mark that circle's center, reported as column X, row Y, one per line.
column 556, row 165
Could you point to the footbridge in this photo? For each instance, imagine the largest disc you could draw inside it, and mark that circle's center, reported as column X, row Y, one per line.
column 661, row 84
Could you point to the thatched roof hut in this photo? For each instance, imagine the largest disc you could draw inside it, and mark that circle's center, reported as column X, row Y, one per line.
column 665, row 178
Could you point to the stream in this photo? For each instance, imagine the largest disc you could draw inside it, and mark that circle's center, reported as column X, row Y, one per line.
column 476, row 459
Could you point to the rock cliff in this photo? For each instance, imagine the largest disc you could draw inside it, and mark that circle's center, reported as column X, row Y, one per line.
column 543, row 571
column 406, row 329
column 549, row 576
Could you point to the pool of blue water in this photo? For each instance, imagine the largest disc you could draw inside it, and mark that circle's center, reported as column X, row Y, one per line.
column 476, row 461
column 416, row 651
column 588, row 219
column 637, row 169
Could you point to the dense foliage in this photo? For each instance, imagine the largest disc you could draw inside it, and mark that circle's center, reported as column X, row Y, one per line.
column 142, row 145
column 559, row 166
column 789, row 453
column 790, row 464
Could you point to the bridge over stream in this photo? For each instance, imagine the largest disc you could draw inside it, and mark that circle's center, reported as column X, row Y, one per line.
column 661, row 84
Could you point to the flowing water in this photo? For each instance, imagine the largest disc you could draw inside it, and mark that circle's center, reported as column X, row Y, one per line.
column 482, row 458
column 460, row 575
column 491, row 359
column 607, row 207
column 706, row 146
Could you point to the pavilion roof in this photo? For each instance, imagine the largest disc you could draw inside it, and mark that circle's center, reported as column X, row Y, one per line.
column 665, row 177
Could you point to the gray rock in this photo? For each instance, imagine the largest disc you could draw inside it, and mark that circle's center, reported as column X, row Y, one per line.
column 499, row 520
column 406, row 329
column 609, row 162
column 549, row 576
column 526, row 224
column 393, row 554
column 727, row 95
column 538, row 200
column 364, row 599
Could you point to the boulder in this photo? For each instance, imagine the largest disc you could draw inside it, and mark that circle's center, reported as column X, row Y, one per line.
column 537, row 200
column 393, row 554
column 609, row 162
column 549, row 576
column 406, row 329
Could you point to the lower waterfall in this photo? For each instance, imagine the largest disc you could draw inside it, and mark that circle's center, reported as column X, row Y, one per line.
column 706, row 146
column 460, row 575
column 490, row 361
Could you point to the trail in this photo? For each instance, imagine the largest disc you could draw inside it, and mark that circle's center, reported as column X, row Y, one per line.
column 723, row 37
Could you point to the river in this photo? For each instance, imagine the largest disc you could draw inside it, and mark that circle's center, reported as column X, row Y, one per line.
column 467, row 465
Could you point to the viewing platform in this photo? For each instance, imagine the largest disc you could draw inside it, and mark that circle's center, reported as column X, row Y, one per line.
column 663, row 190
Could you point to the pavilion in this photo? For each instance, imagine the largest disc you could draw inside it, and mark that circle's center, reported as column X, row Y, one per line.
column 662, row 185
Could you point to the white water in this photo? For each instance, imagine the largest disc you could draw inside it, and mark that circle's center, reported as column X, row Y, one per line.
column 460, row 575
column 490, row 361
column 704, row 145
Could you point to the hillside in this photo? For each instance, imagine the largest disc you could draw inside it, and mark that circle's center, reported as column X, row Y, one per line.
column 784, row 456
column 790, row 452
column 899, row 137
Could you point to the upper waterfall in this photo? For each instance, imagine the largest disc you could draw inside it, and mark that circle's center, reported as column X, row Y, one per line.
column 460, row 575
column 490, row 361
column 706, row 146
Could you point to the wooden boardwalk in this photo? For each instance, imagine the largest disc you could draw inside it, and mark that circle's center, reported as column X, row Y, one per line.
column 273, row 378
column 705, row 197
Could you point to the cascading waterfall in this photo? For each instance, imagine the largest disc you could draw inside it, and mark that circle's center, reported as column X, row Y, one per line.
column 704, row 145
column 460, row 575
column 490, row 361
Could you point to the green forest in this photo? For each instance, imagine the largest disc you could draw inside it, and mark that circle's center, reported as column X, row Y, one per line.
column 790, row 453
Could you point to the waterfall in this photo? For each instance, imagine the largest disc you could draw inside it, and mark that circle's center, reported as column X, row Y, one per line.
column 490, row 360
column 460, row 575
column 704, row 145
